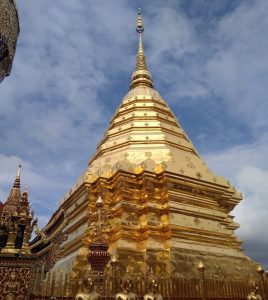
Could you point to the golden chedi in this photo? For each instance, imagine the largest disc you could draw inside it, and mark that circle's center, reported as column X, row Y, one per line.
column 167, row 209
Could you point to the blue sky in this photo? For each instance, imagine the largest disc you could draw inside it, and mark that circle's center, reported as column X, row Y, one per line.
column 209, row 61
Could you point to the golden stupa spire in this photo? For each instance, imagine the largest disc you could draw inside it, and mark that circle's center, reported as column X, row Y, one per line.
column 17, row 180
column 14, row 196
column 141, row 74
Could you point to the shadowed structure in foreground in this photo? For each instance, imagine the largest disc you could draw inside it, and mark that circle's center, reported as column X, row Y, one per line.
column 9, row 31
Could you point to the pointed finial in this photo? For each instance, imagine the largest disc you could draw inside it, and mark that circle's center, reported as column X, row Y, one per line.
column 141, row 74
column 19, row 170
column 17, row 180
column 14, row 196
column 139, row 27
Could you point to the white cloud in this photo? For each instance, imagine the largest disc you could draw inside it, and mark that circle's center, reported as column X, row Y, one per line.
column 29, row 173
column 9, row 166
column 247, row 168
column 253, row 211
column 238, row 71
column 173, row 45
column 61, row 65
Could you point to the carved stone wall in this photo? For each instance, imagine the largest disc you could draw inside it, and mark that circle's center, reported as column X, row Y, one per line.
column 17, row 277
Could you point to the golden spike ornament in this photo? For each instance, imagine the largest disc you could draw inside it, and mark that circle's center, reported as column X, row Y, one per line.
column 17, row 180
column 141, row 74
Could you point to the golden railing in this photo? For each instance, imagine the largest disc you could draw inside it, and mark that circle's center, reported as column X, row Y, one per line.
column 185, row 288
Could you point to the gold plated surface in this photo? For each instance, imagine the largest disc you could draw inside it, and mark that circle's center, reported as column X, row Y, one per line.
column 141, row 75
column 165, row 209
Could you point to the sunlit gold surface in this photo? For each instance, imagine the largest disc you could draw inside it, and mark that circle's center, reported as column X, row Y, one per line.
column 141, row 76
column 152, row 286
column 90, row 293
column 254, row 293
column 126, row 292
column 167, row 209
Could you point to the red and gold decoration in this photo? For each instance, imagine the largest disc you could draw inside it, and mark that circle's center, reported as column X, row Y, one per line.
column 98, row 256
column 17, row 264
